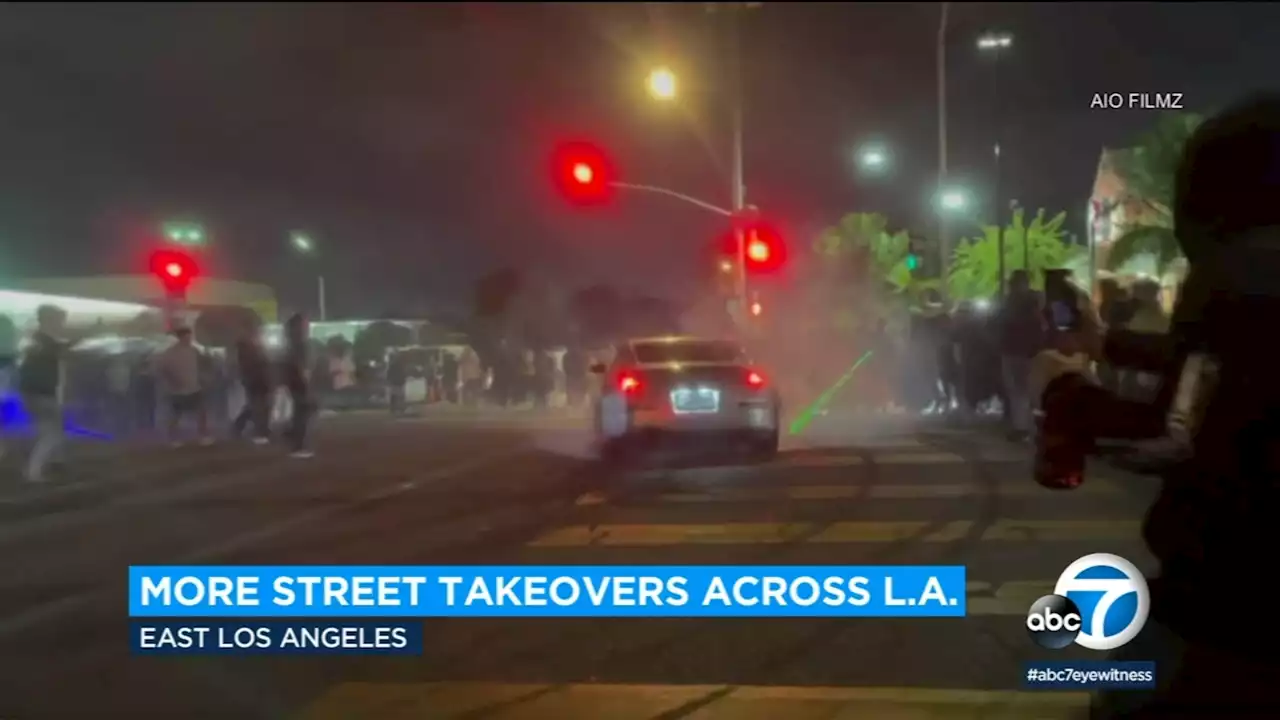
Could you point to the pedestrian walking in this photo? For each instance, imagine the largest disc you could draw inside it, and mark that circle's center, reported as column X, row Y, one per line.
column 180, row 369
column 255, row 378
column 41, row 381
column 295, row 374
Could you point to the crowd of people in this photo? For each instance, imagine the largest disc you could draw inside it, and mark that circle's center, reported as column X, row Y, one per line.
column 143, row 390
column 510, row 377
column 976, row 357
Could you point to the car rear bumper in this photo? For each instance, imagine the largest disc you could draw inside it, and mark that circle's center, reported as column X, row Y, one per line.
column 753, row 419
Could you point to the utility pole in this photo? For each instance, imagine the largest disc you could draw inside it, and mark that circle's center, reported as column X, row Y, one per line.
column 944, row 240
column 737, row 184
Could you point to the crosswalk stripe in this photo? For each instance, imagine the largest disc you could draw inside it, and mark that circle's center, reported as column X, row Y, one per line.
column 1010, row 598
column 908, row 491
column 649, row 535
column 874, row 456
column 528, row 701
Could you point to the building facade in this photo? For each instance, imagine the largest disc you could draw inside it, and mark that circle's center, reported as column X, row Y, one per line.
column 145, row 290
column 1113, row 209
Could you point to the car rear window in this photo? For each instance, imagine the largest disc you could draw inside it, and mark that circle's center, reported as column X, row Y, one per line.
column 688, row 352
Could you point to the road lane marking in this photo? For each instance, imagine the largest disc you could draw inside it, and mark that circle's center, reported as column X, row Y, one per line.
column 526, row 701
column 884, row 532
column 1063, row 530
column 1010, row 598
column 906, row 491
column 58, row 607
column 877, row 456
column 649, row 535
column 64, row 520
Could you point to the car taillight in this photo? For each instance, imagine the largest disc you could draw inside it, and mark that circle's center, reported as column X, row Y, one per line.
column 755, row 380
column 628, row 383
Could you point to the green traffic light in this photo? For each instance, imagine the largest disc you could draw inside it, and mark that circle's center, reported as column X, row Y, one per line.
column 913, row 262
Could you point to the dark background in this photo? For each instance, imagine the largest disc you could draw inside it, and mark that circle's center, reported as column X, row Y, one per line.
column 412, row 140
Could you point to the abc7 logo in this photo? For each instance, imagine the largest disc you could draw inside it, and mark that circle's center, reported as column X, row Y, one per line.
column 1117, row 603
column 1053, row 622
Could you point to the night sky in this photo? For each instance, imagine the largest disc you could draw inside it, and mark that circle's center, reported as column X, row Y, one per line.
column 412, row 141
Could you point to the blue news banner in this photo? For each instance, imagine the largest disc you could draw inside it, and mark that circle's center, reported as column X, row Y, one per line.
column 371, row 609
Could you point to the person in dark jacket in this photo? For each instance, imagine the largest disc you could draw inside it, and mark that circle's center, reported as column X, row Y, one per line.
column 295, row 375
column 1214, row 519
column 397, row 376
column 255, row 377
column 449, row 377
column 41, row 380
column 1021, row 332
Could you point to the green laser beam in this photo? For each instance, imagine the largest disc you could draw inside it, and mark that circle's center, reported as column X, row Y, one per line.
column 807, row 415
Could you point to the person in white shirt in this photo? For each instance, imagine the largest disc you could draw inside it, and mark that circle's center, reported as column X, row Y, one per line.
column 179, row 370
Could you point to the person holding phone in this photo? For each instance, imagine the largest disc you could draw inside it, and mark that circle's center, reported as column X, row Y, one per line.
column 1219, row 396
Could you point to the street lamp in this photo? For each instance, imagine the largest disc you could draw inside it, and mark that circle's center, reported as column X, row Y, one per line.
column 874, row 159
column 996, row 44
column 953, row 200
column 184, row 233
column 304, row 245
column 662, row 84
column 995, row 41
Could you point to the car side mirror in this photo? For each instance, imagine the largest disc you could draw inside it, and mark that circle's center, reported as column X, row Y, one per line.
column 597, row 368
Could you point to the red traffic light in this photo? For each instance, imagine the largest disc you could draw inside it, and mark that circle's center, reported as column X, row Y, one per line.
column 174, row 269
column 758, row 250
column 764, row 251
column 583, row 173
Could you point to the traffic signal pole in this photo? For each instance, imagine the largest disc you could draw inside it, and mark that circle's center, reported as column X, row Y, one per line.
column 737, row 186
column 673, row 194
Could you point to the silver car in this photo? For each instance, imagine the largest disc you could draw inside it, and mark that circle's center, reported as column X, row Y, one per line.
column 688, row 388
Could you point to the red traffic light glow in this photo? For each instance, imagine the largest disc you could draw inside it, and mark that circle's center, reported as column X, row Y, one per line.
column 583, row 173
column 175, row 269
column 765, row 251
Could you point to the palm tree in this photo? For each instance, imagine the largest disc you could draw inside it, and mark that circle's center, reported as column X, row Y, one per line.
column 975, row 266
column 865, row 266
column 1148, row 171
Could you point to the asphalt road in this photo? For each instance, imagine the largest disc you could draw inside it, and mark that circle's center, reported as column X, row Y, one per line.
column 457, row 490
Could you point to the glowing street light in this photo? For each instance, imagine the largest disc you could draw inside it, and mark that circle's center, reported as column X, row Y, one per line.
column 184, row 233
column 304, row 245
column 873, row 159
column 662, row 84
column 953, row 200
column 995, row 41
column 301, row 242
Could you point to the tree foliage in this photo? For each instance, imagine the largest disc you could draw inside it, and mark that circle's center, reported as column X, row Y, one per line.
column 1148, row 171
column 864, row 272
column 975, row 265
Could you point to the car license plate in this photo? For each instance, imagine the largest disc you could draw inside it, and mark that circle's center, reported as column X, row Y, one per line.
column 758, row 417
column 700, row 399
